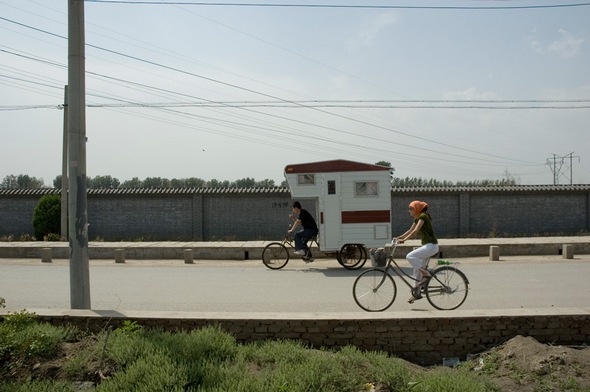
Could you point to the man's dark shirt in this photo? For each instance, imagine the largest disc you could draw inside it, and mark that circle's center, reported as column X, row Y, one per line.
column 307, row 220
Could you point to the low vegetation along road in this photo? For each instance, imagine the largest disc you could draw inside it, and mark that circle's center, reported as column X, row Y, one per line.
column 530, row 282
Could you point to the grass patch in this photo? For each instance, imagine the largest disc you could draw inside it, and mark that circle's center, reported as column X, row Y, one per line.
column 39, row 357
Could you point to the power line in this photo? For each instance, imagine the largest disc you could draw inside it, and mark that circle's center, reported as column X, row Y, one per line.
column 359, row 6
column 242, row 105
column 192, row 74
column 299, row 104
column 380, row 104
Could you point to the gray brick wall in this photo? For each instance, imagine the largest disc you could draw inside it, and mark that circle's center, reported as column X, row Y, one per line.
column 16, row 215
column 241, row 217
column 206, row 215
column 149, row 218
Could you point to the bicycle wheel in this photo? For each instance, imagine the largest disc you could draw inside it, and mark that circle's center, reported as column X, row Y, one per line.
column 275, row 255
column 447, row 289
column 352, row 256
column 374, row 290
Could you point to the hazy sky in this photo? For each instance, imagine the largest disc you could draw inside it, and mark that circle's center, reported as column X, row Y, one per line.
column 226, row 92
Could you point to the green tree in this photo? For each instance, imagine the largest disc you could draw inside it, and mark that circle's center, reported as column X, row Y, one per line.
column 47, row 216
column 244, row 183
column 391, row 171
column 102, row 182
column 22, row 181
column 195, row 182
column 135, row 182
column 218, row 184
column 156, row 182
column 57, row 182
column 267, row 183
column 187, row 182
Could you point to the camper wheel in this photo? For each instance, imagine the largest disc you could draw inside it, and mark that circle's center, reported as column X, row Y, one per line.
column 352, row 256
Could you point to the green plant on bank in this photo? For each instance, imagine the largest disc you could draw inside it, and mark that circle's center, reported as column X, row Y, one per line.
column 2, row 302
column 205, row 360
column 23, row 237
column 22, row 335
column 129, row 327
column 47, row 216
column 53, row 237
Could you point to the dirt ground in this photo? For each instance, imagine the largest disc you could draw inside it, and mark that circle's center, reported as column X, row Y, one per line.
column 521, row 364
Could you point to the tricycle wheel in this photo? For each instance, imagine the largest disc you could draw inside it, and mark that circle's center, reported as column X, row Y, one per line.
column 275, row 255
column 352, row 256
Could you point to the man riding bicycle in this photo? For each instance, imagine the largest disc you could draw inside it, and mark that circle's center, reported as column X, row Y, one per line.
column 303, row 218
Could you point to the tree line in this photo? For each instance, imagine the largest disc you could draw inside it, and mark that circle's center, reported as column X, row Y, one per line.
column 417, row 182
column 23, row 181
column 26, row 182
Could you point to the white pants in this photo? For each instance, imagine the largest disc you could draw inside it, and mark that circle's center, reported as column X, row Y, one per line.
column 419, row 258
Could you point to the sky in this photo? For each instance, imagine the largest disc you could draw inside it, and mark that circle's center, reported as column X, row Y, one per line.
column 467, row 90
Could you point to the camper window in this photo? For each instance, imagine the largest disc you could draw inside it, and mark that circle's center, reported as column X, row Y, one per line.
column 366, row 188
column 305, row 179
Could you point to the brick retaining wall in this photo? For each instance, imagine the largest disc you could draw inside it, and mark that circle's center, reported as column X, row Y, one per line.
column 423, row 339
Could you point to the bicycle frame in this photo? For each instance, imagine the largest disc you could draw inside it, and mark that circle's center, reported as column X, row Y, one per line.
column 289, row 238
column 397, row 270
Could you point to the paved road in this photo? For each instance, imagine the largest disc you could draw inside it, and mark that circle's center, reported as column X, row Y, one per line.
column 247, row 286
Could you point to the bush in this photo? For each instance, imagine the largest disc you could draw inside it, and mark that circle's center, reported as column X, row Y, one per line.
column 23, row 335
column 47, row 216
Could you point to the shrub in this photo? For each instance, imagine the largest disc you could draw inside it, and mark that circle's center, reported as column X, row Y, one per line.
column 47, row 216
column 24, row 335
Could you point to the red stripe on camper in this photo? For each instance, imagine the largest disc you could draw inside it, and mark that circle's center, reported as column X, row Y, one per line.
column 382, row 216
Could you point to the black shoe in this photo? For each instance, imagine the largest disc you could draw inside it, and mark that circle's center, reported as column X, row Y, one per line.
column 308, row 259
column 416, row 293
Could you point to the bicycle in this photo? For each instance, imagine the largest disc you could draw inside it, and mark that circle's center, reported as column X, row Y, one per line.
column 375, row 290
column 276, row 254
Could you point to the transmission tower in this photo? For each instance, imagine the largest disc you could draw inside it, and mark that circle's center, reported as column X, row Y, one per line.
column 561, row 168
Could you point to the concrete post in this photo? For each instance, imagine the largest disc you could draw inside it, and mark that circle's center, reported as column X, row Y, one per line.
column 46, row 255
column 120, row 256
column 568, row 251
column 64, row 172
column 188, row 256
column 77, row 198
column 494, row 253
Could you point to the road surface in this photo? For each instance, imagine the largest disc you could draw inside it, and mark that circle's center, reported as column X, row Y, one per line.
column 517, row 282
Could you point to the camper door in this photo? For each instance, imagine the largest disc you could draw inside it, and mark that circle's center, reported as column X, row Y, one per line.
column 331, row 210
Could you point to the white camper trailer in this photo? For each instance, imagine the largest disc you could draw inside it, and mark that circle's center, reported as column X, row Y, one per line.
column 352, row 200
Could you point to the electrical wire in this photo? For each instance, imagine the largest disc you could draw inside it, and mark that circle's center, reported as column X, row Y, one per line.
column 375, row 139
column 228, row 105
column 342, row 6
column 284, row 101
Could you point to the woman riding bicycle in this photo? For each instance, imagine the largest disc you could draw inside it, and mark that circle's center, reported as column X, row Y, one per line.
column 418, row 258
